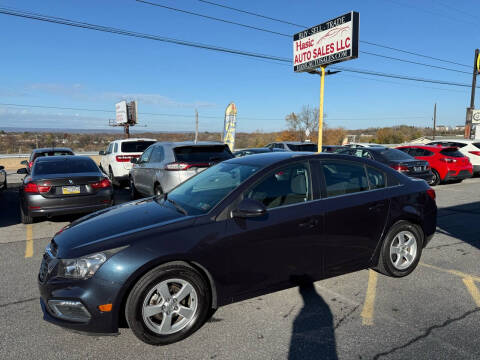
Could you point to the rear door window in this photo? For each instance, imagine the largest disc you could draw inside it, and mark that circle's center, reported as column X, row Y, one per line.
column 135, row 146
column 376, row 178
column 202, row 154
column 477, row 145
column 146, row 155
column 344, row 178
column 157, row 155
column 116, row 148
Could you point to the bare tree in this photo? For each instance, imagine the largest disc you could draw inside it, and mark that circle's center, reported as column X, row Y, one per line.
column 299, row 123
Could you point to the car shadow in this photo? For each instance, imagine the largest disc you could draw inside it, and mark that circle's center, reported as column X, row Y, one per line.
column 313, row 333
column 459, row 221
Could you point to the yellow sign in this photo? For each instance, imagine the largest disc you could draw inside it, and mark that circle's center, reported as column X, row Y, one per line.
column 230, row 125
column 478, row 63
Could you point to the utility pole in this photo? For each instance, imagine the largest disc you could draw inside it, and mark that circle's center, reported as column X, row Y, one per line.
column 468, row 120
column 196, row 126
column 434, row 120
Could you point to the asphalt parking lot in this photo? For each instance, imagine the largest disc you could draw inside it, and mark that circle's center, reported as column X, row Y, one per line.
column 432, row 314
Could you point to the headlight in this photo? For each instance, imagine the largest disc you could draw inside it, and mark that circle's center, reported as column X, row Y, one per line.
column 81, row 268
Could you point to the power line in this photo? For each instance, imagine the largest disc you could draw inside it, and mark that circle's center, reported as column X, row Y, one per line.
column 305, row 27
column 290, row 36
column 201, row 116
column 118, row 31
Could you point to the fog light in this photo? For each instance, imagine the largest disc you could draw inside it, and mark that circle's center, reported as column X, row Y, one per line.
column 69, row 310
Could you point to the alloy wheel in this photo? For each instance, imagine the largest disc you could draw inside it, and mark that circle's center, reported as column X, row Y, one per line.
column 169, row 306
column 403, row 250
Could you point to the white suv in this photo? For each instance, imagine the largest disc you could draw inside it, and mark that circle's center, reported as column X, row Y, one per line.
column 115, row 161
column 470, row 148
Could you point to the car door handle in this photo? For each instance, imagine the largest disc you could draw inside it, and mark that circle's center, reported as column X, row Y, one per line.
column 376, row 207
column 308, row 224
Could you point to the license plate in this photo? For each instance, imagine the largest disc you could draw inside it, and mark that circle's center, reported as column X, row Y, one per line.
column 417, row 168
column 67, row 190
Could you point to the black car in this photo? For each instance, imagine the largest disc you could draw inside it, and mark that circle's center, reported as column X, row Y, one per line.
column 245, row 227
column 396, row 159
column 60, row 185
column 36, row 153
column 332, row 148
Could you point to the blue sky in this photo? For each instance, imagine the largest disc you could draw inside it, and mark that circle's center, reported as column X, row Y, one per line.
column 54, row 65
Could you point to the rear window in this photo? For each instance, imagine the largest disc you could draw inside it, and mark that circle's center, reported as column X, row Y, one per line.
column 303, row 147
column 72, row 166
column 477, row 145
column 135, row 146
column 394, row 154
column 52, row 153
column 202, row 154
column 451, row 152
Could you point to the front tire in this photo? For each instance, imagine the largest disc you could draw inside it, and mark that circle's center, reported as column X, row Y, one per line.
column 401, row 250
column 167, row 304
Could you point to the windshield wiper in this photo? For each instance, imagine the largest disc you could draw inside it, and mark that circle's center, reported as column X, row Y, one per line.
column 174, row 203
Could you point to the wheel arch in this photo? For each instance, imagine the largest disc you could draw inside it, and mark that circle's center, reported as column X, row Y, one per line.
column 130, row 283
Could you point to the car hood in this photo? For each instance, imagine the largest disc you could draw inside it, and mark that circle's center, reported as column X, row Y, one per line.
column 113, row 227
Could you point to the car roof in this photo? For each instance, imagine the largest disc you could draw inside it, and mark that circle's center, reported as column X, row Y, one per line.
column 51, row 149
column 189, row 143
column 62, row 157
column 427, row 147
column 465, row 141
column 134, row 139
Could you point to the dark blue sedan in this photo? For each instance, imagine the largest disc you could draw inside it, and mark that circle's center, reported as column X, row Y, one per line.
column 245, row 227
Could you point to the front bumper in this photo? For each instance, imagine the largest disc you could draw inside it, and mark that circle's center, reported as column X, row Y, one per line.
column 90, row 293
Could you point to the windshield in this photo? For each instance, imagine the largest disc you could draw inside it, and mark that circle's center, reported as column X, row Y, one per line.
column 72, row 166
column 202, row 192
column 303, row 147
column 394, row 154
column 135, row 146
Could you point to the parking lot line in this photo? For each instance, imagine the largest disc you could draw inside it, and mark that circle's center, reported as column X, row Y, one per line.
column 453, row 272
column 29, row 243
column 472, row 289
column 369, row 304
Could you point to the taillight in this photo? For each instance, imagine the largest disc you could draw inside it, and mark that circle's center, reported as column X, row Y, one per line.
column 475, row 153
column 178, row 166
column 400, row 168
column 123, row 158
column 30, row 164
column 431, row 193
column 447, row 160
column 101, row 184
column 33, row 188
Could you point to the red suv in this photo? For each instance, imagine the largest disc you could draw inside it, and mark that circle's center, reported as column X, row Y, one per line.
column 447, row 163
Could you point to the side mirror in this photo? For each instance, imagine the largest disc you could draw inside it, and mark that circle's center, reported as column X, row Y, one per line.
column 2, row 167
column 22, row 171
column 249, row 208
column 24, row 162
column 134, row 160
column 101, row 152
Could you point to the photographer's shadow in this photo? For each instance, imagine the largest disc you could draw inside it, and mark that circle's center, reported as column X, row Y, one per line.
column 313, row 334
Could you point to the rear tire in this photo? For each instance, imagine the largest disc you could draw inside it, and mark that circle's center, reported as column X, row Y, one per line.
column 158, row 314
column 401, row 250
column 26, row 218
column 436, row 178
column 112, row 178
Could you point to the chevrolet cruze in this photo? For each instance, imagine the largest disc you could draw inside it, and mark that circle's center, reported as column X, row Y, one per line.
column 245, row 227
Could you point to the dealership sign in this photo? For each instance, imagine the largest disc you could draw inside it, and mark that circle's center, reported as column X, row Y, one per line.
column 476, row 116
column 331, row 42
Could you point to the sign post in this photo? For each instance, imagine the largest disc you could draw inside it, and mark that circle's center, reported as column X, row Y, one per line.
column 332, row 42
